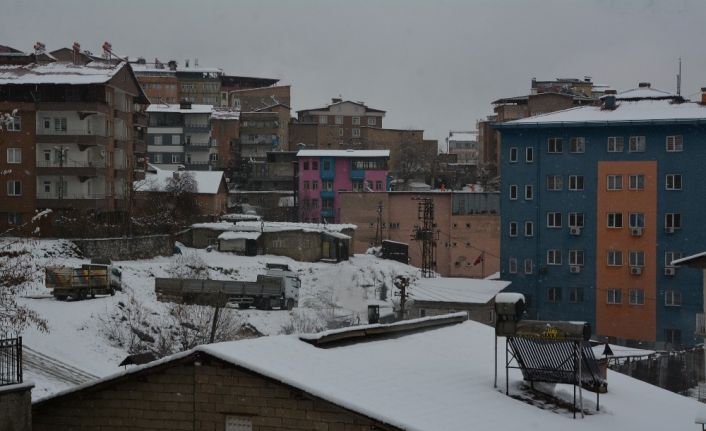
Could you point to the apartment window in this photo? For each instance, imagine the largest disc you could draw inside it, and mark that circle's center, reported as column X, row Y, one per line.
column 14, row 188
column 575, row 182
column 576, row 257
column 340, row 131
column 176, row 139
column 671, row 256
column 14, row 155
column 615, row 144
column 554, row 294
column 513, row 192
column 637, row 182
column 553, row 257
column 554, row 145
column 513, row 154
column 636, row 144
column 615, row 220
column 575, row 219
column 46, row 186
column 314, row 203
column 553, row 219
column 576, row 294
column 327, row 186
column 636, row 296
column 327, row 204
column 213, row 157
column 378, row 185
column 637, row 220
column 339, row 119
column 615, row 296
column 614, row 258
column 637, row 258
column 513, row 228
column 529, row 228
column 672, row 336
column 314, row 165
column 306, row 166
column 512, row 265
column 314, row 185
column 157, row 140
column 372, row 121
column 672, row 221
column 355, row 132
column 175, row 158
column 578, row 145
column 357, row 186
column 307, row 185
column 47, row 123
column 15, row 124
column 528, row 266
column 555, row 183
column 529, row 192
column 60, row 124
column 326, row 165
column 157, row 158
column 323, row 119
column 14, row 218
column 355, row 121
column 238, row 423
column 529, row 154
column 672, row 298
column 673, row 182
column 675, row 143
column 614, row 182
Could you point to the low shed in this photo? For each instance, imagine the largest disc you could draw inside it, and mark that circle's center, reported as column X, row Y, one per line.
column 239, row 242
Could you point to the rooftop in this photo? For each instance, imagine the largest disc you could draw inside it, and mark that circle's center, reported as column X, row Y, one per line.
column 461, row 290
column 271, row 226
column 340, row 102
column 59, row 73
column 343, row 153
column 156, row 180
column 176, row 108
column 463, row 136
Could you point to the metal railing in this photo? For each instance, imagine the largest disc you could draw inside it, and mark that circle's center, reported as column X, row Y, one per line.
column 700, row 324
column 72, row 196
column 10, row 361
column 71, row 132
column 72, row 164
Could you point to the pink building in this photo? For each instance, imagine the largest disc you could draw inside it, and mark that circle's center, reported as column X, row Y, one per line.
column 324, row 173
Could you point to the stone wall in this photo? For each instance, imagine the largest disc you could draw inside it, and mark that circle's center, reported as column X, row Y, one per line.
column 195, row 397
column 16, row 407
column 138, row 247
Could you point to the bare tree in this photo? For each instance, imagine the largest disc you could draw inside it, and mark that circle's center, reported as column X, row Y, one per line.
column 182, row 189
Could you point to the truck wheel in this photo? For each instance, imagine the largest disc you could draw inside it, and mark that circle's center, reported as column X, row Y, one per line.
column 112, row 292
column 93, row 294
column 290, row 304
column 81, row 294
column 61, row 298
column 267, row 304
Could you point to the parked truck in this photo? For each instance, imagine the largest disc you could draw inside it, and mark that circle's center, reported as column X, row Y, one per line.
column 80, row 283
column 276, row 288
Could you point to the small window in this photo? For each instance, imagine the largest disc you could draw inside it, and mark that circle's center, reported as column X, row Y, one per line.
column 175, row 158
column 238, row 423
column 575, row 182
column 47, row 123
column 614, row 258
column 60, row 124
column 529, row 228
column 672, row 298
column 326, row 165
column 157, row 140
column 673, row 182
column 355, row 132
column 512, row 265
column 14, row 124
column 306, row 185
column 339, row 119
column 553, row 257
column 672, row 336
column 576, row 257
column 314, row 165
column 323, row 119
column 355, row 121
column 529, row 266
column 615, row 144
column 372, row 121
column 675, row 143
column 578, row 145
column 637, row 144
column 637, row 220
column 554, row 145
column 529, row 154
column 513, row 192
column 554, row 220
column 176, row 139
column 529, row 192
column 637, row 258
column 637, row 182
column 672, row 220
column 46, row 186
column 576, row 294
column 157, row 158
column 614, row 182
column 14, row 155
column 615, row 296
column 513, row 154
column 554, row 294
column 340, row 131
column 513, row 228
column 555, row 183
column 213, row 157
column 637, row 296
column 314, row 185
column 575, row 219
column 14, row 188
column 615, row 220
column 14, row 219
column 378, row 186
column 671, row 256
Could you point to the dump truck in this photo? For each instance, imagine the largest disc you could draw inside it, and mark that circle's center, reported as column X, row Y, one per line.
column 276, row 288
column 80, row 283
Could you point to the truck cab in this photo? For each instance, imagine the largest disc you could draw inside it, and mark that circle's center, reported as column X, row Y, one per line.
column 291, row 281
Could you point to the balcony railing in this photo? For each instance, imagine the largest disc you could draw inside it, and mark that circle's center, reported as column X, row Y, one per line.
column 10, row 361
column 72, row 164
column 72, row 137
column 202, row 128
column 72, row 196
column 700, row 325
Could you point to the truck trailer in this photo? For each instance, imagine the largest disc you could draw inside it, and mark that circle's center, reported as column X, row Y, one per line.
column 80, row 283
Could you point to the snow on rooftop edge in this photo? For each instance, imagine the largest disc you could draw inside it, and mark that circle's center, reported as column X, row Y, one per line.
column 456, row 289
column 509, row 297
column 343, row 153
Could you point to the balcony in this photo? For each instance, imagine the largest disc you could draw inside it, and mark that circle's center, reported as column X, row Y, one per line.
column 327, row 212
column 99, row 201
column 194, row 147
column 700, row 330
column 78, row 137
column 328, row 194
column 79, row 168
column 101, row 107
column 197, row 128
column 139, row 119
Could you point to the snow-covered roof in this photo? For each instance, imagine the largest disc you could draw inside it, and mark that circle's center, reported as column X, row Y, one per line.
column 343, row 153
column 625, row 111
column 156, row 180
column 271, row 226
column 239, row 235
column 645, row 93
column 621, row 351
column 462, row 290
column 239, row 217
column 463, row 136
column 225, row 114
column 176, row 108
column 59, row 73
column 439, row 379
column 509, row 297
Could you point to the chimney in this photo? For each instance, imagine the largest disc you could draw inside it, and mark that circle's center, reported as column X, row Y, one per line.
column 608, row 100
column 336, row 100
column 172, row 65
column 186, row 64
column 703, row 95
column 76, row 48
column 645, row 85
column 141, row 60
column 185, row 104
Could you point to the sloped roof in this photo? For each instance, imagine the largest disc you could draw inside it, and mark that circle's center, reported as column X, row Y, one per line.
column 343, row 153
column 328, row 107
column 156, row 180
column 59, row 73
column 461, row 290
column 645, row 93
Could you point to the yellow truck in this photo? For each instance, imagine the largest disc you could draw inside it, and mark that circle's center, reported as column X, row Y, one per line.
column 80, row 283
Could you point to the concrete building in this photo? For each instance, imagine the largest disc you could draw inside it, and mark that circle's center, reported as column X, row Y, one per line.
column 230, row 83
column 344, row 120
column 465, row 145
column 597, row 201
column 467, row 227
column 199, row 85
column 158, row 80
column 323, row 174
column 225, row 133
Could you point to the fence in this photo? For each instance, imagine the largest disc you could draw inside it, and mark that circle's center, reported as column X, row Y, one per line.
column 10, row 361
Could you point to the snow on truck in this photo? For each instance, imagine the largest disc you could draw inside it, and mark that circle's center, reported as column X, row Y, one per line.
column 278, row 287
column 80, row 283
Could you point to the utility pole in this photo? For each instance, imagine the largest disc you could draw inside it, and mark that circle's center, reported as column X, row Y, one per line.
column 402, row 284
column 425, row 233
column 378, row 229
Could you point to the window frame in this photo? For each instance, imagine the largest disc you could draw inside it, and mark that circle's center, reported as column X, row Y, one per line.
column 576, row 295
column 577, row 216
column 674, row 218
column 639, row 219
column 16, row 157
column 616, row 144
column 513, row 155
column 577, row 145
column 14, row 188
column 674, row 178
column 637, row 144
column 554, row 295
column 555, row 183
column 552, row 218
column 636, row 296
column 555, row 145
column 614, row 182
column 528, row 266
column 512, row 192
column 677, row 144
column 529, row 232
column 512, row 265
column 614, row 296
column 617, row 219
column 672, row 298
column 636, row 258
column 576, row 179
column 577, row 257
column 529, row 155
column 513, row 229
column 614, row 258
column 554, row 257
column 639, row 180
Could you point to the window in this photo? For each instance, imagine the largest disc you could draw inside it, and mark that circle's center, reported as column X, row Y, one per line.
column 14, row 155
column 327, row 204
column 512, row 266
column 175, row 158
column 554, row 145
column 575, row 182
column 529, row 192
column 529, row 154
column 576, row 257
column 672, row 336
column 575, row 219
column 372, row 121
column 306, row 166
column 513, row 228
column 672, row 221
column 314, row 185
column 615, row 144
column 636, row 296
column 355, row 132
column 670, row 256
column 554, row 294
column 555, row 183
column 157, row 140
column 637, row 182
column 14, row 188
column 340, row 131
column 357, row 186
column 513, row 192
column 339, row 119
column 637, row 220
column 378, row 185
column 513, row 154
column 636, row 144
column 576, row 294
column 327, row 186
column 675, row 143
column 615, row 296
column 158, row 158
column 213, row 157
column 314, row 165
column 15, row 124
column 238, row 423
column 553, row 257
column 553, row 219
column 47, row 123
column 673, row 182
column 637, row 258
column 46, row 186
column 60, row 124
column 578, row 145
column 14, row 218
column 306, row 185
column 176, row 139
column 614, row 258
column 326, row 165
column 672, row 298
column 323, row 119
column 529, row 228
column 355, row 121
column 528, row 266
column 614, row 182
column 314, row 203
column 615, row 220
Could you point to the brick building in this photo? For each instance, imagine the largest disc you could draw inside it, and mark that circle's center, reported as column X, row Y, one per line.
column 199, row 85
column 467, row 226
column 158, row 80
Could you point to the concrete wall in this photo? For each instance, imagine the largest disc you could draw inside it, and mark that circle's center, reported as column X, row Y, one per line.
column 140, row 247
column 199, row 398
column 16, row 407
column 483, row 313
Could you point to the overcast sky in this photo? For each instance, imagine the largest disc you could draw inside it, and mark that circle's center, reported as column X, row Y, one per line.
column 432, row 65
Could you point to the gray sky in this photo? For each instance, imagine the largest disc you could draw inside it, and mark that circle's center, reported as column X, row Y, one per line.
column 431, row 65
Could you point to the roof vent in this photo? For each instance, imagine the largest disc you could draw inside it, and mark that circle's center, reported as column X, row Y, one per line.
column 141, row 60
column 172, row 65
column 608, row 101
column 645, row 85
column 336, row 100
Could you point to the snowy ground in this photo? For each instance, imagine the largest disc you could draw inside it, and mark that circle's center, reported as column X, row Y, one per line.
column 76, row 336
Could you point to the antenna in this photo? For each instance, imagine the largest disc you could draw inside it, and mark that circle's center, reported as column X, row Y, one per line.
column 679, row 79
